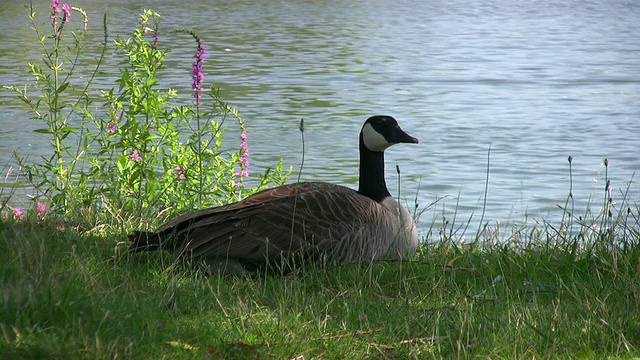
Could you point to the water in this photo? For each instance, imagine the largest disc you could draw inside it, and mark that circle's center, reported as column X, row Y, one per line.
column 534, row 81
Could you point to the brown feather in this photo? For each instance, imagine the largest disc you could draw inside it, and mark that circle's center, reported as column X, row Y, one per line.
column 272, row 225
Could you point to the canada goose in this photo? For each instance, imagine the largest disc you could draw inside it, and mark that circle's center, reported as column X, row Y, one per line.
column 302, row 221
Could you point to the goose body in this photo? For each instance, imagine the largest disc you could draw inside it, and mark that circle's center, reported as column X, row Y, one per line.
column 299, row 222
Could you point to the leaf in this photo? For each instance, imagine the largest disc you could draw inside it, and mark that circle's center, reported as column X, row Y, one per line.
column 43, row 131
column 122, row 163
column 62, row 87
column 450, row 262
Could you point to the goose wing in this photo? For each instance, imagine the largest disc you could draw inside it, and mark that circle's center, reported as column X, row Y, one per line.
column 307, row 218
column 258, row 199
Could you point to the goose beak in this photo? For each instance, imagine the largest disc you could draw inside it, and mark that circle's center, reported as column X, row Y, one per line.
column 399, row 136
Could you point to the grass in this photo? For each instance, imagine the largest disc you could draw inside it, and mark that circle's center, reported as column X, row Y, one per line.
column 570, row 290
column 69, row 293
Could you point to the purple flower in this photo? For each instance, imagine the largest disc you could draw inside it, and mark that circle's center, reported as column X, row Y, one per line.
column 41, row 210
column 196, row 69
column 135, row 155
column 55, row 6
column 243, row 159
column 17, row 213
column 155, row 40
column 67, row 12
column 56, row 9
column 112, row 127
column 180, row 172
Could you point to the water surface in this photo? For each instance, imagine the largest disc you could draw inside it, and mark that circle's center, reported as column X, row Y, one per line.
column 534, row 81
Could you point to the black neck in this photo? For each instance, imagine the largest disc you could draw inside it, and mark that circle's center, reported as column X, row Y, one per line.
column 372, row 183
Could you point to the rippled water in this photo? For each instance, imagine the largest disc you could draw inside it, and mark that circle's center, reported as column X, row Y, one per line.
column 535, row 81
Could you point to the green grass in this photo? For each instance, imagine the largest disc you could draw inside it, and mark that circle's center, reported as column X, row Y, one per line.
column 74, row 292
column 67, row 293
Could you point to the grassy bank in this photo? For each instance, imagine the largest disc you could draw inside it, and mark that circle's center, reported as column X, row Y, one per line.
column 69, row 293
column 69, row 290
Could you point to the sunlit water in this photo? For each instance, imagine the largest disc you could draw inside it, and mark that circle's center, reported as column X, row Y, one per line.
column 536, row 82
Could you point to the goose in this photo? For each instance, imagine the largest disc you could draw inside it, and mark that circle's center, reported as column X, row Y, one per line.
column 300, row 222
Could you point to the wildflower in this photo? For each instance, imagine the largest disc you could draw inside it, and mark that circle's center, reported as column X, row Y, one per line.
column 17, row 213
column 112, row 127
column 56, row 9
column 67, row 12
column 180, row 172
column 243, row 160
column 155, row 40
column 55, row 6
column 244, row 150
column 135, row 156
column 41, row 209
column 196, row 69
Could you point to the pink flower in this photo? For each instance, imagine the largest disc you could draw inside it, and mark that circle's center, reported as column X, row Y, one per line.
column 196, row 69
column 135, row 156
column 55, row 6
column 41, row 210
column 180, row 172
column 56, row 9
column 113, row 127
column 243, row 159
column 17, row 213
column 67, row 12
column 155, row 40
column 244, row 152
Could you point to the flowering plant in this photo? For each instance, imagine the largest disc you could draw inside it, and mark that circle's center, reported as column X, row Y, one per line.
column 144, row 153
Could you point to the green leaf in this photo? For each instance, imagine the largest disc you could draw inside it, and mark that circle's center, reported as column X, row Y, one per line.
column 62, row 87
column 43, row 131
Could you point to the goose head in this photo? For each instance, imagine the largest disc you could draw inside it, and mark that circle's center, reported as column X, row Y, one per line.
column 378, row 133
column 381, row 131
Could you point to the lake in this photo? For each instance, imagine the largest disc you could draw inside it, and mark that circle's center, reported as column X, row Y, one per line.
column 535, row 81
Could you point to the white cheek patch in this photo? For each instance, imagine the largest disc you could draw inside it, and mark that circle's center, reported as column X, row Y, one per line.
column 373, row 140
